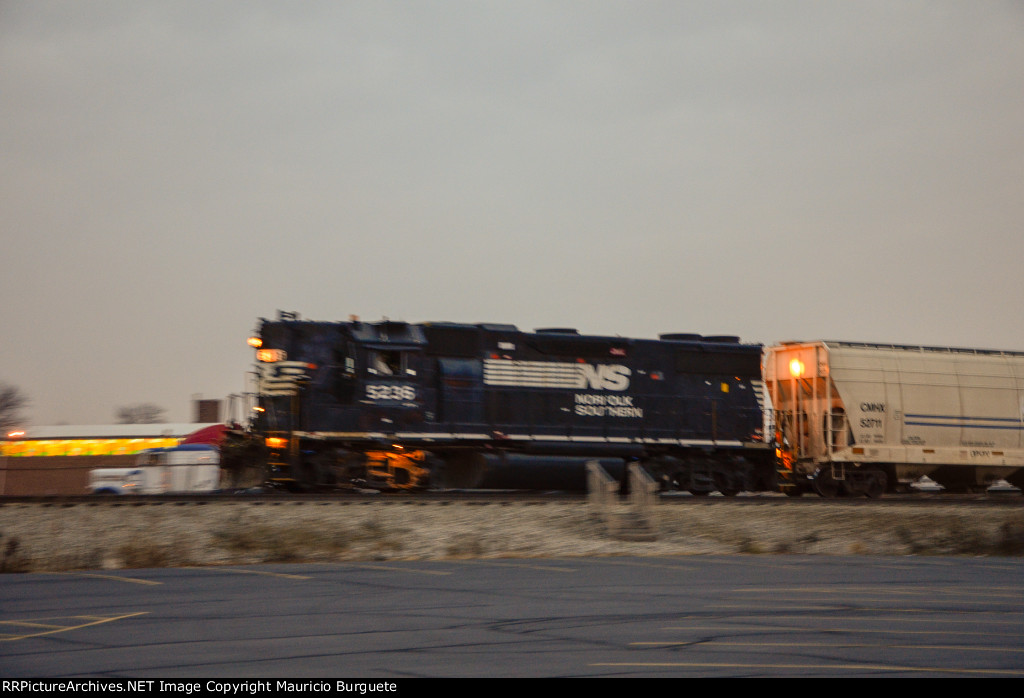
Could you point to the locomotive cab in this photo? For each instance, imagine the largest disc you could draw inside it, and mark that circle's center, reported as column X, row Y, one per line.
column 388, row 372
column 320, row 383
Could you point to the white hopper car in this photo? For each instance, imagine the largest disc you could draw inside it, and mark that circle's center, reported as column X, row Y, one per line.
column 859, row 418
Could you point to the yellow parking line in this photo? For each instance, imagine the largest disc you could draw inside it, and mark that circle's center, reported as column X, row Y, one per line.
column 772, row 621
column 998, row 592
column 260, row 572
column 827, row 667
column 832, row 631
column 546, row 568
column 635, row 563
column 386, row 568
column 67, row 628
column 30, row 624
column 831, row 645
column 131, row 580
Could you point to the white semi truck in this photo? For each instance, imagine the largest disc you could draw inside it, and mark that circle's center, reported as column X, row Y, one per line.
column 189, row 468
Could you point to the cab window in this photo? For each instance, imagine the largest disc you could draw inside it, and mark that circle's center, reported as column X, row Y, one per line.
column 385, row 363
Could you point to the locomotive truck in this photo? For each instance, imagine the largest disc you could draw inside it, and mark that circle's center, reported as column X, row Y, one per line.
column 403, row 406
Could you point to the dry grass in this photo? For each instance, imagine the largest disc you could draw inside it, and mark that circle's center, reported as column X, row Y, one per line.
column 303, row 541
column 40, row 538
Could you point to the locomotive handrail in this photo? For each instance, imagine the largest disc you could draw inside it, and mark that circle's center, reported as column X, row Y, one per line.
column 601, row 488
column 629, row 518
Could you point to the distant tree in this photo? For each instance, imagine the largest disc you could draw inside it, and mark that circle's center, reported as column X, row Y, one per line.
column 12, row 402
column 142, row 413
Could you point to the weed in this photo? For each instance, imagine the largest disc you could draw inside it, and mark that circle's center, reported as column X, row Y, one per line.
column 378, row 536
column 13, row 559
column 465, row 546
column 750, row 547
column 1011, row 538
column 239, row 538
column 139, row 554
column 285, row 543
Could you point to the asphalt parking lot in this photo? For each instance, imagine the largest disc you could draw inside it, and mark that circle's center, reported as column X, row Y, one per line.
column 566, row 617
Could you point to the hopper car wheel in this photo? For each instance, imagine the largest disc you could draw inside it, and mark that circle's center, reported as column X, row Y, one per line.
column 699, row 493
column 826, row 485
column 876, row 486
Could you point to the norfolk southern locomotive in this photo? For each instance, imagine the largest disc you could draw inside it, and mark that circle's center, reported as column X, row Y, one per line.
column 403, row 406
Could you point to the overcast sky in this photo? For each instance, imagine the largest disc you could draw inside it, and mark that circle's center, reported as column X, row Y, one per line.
column 172, row 171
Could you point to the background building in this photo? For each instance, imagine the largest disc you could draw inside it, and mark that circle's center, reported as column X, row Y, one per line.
column 56, row 460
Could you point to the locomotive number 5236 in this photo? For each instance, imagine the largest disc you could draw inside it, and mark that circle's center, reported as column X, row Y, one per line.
column 391, row 392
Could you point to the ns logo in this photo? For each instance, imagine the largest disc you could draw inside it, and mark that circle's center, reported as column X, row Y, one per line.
column 603, row 377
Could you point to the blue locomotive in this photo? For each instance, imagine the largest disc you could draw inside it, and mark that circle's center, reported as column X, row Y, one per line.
column 402, row 406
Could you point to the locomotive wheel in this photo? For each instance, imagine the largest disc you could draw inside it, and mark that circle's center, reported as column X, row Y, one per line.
column 826, row 485
column 794, row 492
column 675, row 481
column 308, row 476
column 699, row 493
column 722, row 484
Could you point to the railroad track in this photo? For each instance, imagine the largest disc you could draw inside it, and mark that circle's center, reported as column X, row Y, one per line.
column 500, row 497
